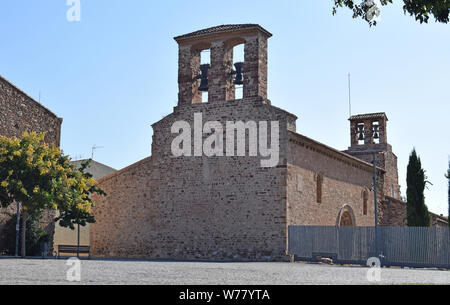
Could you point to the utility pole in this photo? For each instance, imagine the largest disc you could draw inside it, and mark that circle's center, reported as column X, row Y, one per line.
column 375, row 200
column 349, row 96
column 78, row 242
column 17, row 229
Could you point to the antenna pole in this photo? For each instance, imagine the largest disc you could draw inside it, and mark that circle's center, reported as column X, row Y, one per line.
column 94, row 148
column 349, row 96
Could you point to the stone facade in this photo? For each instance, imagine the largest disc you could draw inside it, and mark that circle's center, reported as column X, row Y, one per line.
column 311, row 163
column 20, row 113
column 393, row 212
column 229, row 207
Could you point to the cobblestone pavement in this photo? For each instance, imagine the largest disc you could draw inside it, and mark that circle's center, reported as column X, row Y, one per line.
column 50, row 271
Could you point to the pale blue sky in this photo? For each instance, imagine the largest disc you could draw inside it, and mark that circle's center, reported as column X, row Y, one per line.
column 113, row 74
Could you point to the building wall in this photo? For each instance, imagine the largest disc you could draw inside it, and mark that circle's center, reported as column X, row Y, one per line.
column 122, row 227
column 66, row 236
column 19, row 113
column 223, row 208
column 340, row 192
column 394, row 212
column 439, row 221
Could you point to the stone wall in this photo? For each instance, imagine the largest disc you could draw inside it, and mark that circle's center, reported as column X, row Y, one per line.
column 227, row 208
column 19, row 113
column 224, row 208
column 122, row 227
column 344, row 180
column 393, row 212
column 439, row 221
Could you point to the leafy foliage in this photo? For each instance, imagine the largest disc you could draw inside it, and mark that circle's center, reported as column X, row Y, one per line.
column 420, row 9
column 76, row 214
column 40, row 177
column 35, row 236
column 416, row 211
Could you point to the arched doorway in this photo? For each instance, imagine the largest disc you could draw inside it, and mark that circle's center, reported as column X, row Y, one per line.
column 346, row 219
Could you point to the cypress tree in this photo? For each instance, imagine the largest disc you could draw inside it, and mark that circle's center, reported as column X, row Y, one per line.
column 416, row 210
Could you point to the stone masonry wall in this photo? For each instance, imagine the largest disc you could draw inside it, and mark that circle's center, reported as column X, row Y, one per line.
column 19, row 113
column 224, row 208
column 122, row 226
column 343, row 182
column 394, row 212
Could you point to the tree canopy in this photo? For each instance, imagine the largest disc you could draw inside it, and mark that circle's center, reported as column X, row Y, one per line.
column 422, row 10
column 40, row 177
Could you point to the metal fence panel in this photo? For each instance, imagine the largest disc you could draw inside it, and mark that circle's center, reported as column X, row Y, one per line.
column 396, row 246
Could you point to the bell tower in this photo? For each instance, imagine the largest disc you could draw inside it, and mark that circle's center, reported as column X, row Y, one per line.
column 368, row 131
column 368, row 134
column 220, row 77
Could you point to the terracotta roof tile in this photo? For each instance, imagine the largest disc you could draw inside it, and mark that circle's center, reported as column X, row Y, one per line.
column 221, row 29
column 369, row 116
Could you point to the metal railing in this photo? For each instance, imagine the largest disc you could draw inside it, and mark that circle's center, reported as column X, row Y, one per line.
column 395, row 246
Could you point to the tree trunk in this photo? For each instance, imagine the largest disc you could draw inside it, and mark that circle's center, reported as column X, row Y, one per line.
column 23, row 232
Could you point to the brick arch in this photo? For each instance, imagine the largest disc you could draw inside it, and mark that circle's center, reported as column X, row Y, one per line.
column 346, row 216
column 201, row 46
column 232, row 42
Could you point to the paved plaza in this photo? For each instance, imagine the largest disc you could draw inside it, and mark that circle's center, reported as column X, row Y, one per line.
column 51, row 271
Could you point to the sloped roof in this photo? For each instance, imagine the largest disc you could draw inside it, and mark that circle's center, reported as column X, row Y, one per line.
column 29, row 97
column 222, row 29
column 369, row 116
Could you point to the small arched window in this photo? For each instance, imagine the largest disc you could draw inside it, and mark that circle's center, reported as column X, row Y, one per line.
column 365, row 200
column 319, row 184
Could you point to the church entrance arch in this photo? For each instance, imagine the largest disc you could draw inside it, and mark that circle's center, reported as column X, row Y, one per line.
column 345, row 221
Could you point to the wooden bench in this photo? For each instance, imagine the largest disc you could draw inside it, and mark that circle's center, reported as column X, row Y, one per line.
column 74, row 250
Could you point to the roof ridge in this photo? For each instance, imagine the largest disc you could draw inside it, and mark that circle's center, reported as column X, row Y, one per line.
column 368, row 115
column 28, row 96
column 222, row 29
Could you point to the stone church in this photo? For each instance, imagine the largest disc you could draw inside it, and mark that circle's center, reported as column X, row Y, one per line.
column 232, row 208
column 197, row 206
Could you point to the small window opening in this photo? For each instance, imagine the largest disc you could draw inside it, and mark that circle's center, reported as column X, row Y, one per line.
column 376, row 132
column 205, row 58
column 365, row 200
column 319, row 181
column 205, row 97
column 238, row 56
column 360, row 133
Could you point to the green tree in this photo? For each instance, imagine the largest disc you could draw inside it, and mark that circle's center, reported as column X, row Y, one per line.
column 35, row 236
column 416, row 211
column 420, row 9
column 74, row 215
column 40, row 177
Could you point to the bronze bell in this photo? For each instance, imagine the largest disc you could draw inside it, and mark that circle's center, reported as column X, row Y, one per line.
column 361, row 136
column 376, row 135
column 239, row 80
column 204, row 78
